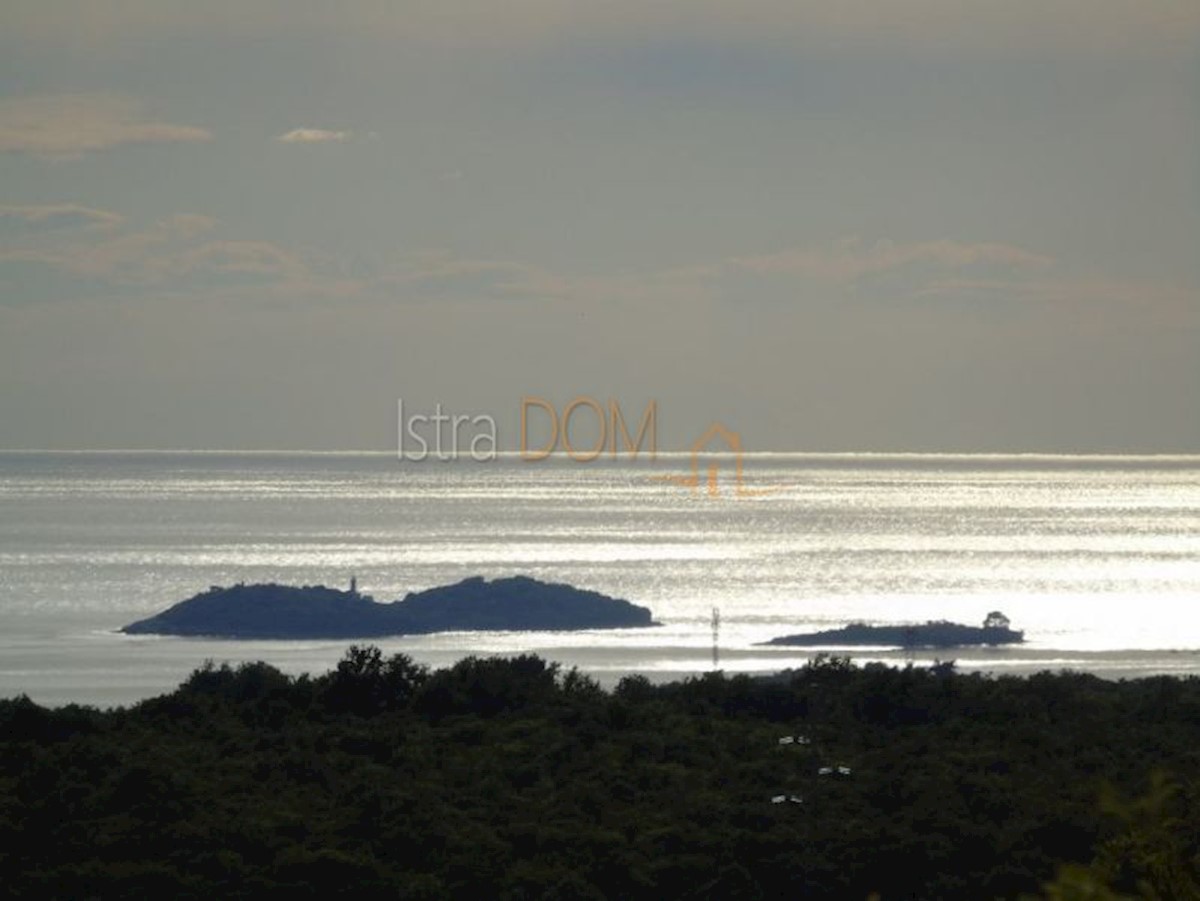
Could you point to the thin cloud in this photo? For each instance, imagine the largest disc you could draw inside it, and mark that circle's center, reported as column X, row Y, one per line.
column 314, row 136
column 849, row 259
column 441, row 275
column 120, row 257
column 259, row 259
column 182, row 254
column 940, row 26
column 53, row 217
column 1079, row 290
column 66, row 126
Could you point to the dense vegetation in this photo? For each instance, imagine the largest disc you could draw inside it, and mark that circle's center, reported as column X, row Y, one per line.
column 513, row 779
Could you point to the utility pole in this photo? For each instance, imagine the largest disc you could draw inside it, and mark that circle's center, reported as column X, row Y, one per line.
column 716, row 630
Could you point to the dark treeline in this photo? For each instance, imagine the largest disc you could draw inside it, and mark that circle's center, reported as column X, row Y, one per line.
column 510, row 778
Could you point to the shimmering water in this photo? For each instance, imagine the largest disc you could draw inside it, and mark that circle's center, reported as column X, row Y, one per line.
column 1096, row 558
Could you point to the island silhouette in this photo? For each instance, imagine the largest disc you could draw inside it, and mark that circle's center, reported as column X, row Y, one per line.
column 996, row 629
column 271, row 611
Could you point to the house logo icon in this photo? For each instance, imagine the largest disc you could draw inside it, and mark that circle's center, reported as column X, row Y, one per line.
column 718, row 441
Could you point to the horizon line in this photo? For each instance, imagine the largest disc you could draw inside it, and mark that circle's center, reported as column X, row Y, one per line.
column 624, row 456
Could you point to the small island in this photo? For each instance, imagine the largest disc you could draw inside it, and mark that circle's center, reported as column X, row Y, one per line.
column 942, row 634
column 273, row 611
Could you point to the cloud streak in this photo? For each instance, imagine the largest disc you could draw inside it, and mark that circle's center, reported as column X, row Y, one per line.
column 1105, row 26
column 849, row 259
column 183, row 255
column 66, row 126
column 54, row 217
column 314, row 136
column 186, row 254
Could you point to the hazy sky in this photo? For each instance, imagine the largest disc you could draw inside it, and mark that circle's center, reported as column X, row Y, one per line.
column 829, row 224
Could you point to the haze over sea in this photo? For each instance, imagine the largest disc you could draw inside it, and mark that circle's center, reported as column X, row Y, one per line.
column 1097, row 558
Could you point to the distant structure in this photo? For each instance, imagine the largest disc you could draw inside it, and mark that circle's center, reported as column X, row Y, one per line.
column 834, row 770
column 795, row 740
column 716, row 630
column 354, row 585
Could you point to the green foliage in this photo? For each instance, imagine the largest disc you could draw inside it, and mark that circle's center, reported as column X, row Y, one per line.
column 488, row 686
column 1153, row 855
column 996, row 620
column 248, row 682
column 365, row 683
column 509, row 778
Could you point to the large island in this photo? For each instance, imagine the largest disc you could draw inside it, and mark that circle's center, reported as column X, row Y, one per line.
column 274, row 611
column 994, row 631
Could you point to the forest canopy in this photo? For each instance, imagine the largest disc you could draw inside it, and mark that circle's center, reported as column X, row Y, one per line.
column 514, row 778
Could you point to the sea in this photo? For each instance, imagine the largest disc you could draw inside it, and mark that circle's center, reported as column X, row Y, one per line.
column 1096, row 558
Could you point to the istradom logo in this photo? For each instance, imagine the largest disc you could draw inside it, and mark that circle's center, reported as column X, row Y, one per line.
column 609, row 425
column 451, row 436
column 704, row 446
column 444, row 431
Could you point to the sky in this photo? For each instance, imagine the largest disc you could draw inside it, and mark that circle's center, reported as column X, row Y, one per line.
column 831, row 225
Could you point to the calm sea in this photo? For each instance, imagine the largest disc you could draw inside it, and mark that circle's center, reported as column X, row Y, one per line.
column 1096, row 558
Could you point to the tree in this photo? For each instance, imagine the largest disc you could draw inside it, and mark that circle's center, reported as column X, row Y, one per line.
column 996, row 620
column 1151, row 859
column 365, row 682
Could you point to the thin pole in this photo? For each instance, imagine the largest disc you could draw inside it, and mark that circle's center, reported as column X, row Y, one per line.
column 716, row 630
